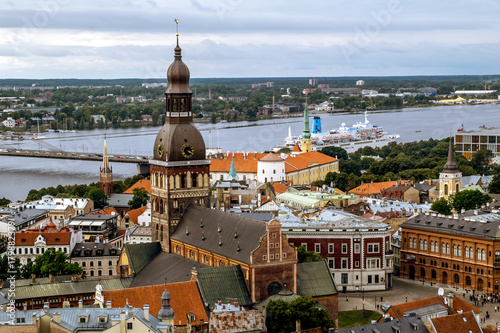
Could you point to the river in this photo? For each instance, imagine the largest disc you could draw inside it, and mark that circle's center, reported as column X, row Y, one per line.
column 19, row 174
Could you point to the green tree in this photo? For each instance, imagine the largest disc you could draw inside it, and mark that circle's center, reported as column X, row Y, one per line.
column 118, row 186
column 51, row 262
column 336, row 152
column 281, row 316
column 98, row 196
column 5, row 268
column 307, row 256
column 480, row 161
column 494, row 186
column 139, row 199
column 4, row 202
column 442, row 206
column 469, row 199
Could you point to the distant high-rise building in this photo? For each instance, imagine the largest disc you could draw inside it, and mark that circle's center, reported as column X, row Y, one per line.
column 313, row 82
column 360, row 83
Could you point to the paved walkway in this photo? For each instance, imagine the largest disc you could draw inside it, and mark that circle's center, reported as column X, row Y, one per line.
column 405, row 290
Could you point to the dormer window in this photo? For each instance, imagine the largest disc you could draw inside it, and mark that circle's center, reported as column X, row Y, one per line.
column 102, row 319
column 82, row 319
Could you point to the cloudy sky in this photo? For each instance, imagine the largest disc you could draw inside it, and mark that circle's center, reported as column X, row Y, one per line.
column 248, row 38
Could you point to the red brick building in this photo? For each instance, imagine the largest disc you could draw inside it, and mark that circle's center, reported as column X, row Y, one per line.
column 461, row 250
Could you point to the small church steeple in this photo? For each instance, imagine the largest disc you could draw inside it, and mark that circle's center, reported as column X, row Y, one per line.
column 306, row 133
column 450, row 179
column 232, row 172
column 106, row 174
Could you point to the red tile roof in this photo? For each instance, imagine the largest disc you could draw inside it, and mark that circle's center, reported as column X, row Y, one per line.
column 397, row 311
column 365, row 190
column 135, row 213
column 271, row 158
column 458, row 323
column 185, row 298
column 51, row 238
column 279, row 187
column 145, row 183
column 296, row 149
column 249, row 163
column 105, row 211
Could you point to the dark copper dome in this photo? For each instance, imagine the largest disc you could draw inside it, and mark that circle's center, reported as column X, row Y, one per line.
column 178, row 74
column 173, row 137
column 178, row 139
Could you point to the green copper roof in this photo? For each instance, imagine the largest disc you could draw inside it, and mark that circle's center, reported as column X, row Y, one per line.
column 140, row 255
column 315, row 279
column 223, row 283
column 232, row 172
column 306, row 134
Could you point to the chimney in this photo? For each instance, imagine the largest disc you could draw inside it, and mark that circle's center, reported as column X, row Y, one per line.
column 34, row 318
column 57, row 317
column 46, row 307
column 449, row 297
column 146, row 312
column 51, row 278
column 33, row 278
column 234, row 302
column 108, row 305
column 194, row 274
column 80, row 303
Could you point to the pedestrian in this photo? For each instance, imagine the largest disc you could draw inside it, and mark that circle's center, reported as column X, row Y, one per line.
column 347, row 298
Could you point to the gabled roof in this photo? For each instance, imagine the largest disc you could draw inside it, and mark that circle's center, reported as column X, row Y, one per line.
column 457, row 323
column 185, row 298
column 105, row 211
column 220, row 232
column 400, row 309
column 279, row 187
column 120, row 199
column 65, row 289
column 305, row 160
column 51, row 238
column 315, row 279
column 374, row 188
column 248, row 162
column 404, row 325
column 135, row 213
column 271, row 158
column 106, row 249
column 140, row 255
column 145, row 183
column 223, row 283
column 170, row 266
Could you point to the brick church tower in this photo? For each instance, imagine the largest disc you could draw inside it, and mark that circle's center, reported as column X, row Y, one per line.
column 106, row 175
column 179, row 168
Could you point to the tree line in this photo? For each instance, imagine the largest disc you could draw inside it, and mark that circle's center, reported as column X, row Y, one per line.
column 416, row 161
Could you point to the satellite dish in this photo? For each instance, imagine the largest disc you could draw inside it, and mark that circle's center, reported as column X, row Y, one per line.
column 440, row 291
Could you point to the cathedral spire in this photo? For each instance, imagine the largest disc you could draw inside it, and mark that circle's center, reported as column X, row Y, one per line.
column 105, row 157
column 450, row 166
column 106, row 174
column 306, row 133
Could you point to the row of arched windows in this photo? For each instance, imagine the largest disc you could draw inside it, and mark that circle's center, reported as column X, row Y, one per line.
column 186, row 180
column 445, row 249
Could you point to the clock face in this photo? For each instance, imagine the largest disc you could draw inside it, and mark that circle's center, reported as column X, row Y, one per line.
column 160, row 150
column 187, row 150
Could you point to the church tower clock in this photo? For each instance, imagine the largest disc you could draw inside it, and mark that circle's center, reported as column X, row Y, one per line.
column 179, row 168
